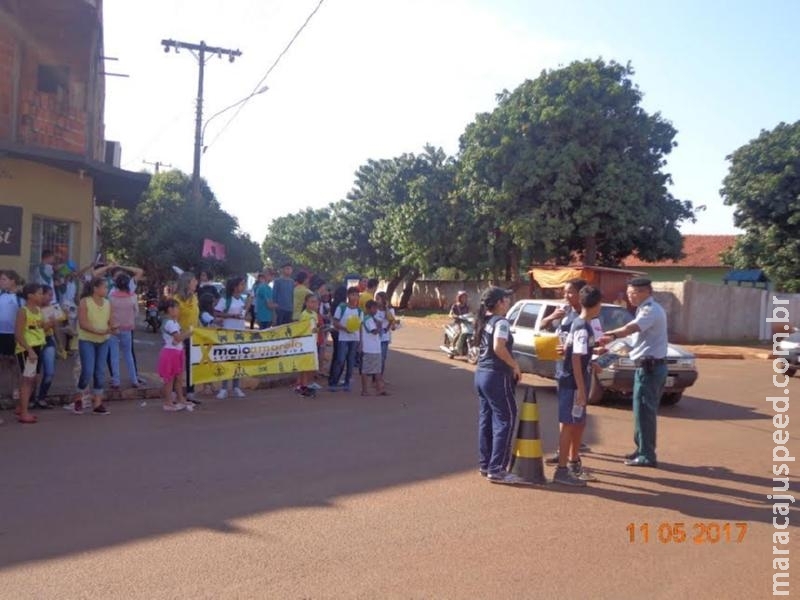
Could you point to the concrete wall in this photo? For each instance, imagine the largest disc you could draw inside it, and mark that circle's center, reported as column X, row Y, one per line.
column 433, row 294
column 50, row 193
column 704, row 274
column 697, row 312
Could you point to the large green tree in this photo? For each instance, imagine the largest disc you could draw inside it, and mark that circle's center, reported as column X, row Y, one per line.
column 167, row 228
column 567, row 165
column 763, row 185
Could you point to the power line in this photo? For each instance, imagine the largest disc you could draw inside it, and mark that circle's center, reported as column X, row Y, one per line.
column 271, row 68
column 202, row 48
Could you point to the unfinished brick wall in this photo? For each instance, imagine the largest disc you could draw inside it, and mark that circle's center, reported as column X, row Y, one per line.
column 53, row 34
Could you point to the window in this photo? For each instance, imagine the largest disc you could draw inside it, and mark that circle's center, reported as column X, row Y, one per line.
column 52, row 79
column 527, row 318
column 48, row 234
column 512, row 316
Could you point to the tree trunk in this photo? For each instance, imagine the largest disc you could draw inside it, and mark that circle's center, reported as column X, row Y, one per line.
column 590, row 251
column 394, row 282
column 408, row 289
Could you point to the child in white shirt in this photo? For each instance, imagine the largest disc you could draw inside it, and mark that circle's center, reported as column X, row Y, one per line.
column 171, row 360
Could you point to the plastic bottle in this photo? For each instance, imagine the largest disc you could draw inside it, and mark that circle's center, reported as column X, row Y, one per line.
column 577, row 411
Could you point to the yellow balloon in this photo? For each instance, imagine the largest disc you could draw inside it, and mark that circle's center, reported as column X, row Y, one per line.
column 352, row 324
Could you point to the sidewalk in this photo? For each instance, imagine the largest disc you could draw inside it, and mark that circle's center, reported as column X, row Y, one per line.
column 146, row 347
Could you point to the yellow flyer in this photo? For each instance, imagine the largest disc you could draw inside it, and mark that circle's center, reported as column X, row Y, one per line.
column 222, row 354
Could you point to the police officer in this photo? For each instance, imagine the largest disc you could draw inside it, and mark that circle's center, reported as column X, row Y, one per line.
column 649, row 353
column 495, row 378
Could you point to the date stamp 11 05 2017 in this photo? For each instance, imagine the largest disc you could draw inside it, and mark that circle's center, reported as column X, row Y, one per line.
column 679, row 533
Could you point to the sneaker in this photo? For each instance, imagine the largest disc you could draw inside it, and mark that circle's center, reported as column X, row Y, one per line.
column 77, row 406
column 333, row 388
column 551, row 460
column 238, row 393
column 315, row 386
column 173, row 407
column 564, row 477
column 190, row 396
column 222, row 394
column 101, row 410
column 506, row 478
column 308, row 392
column 483, row 472
column 345, row 387
column 577, row 470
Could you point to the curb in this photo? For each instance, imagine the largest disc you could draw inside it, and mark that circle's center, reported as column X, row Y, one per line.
column 148, row 392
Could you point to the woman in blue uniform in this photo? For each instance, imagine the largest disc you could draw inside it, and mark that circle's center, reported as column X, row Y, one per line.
column 495, row 378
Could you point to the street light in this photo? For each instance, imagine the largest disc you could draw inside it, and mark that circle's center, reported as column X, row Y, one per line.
column 199, row 140
column 260, row 90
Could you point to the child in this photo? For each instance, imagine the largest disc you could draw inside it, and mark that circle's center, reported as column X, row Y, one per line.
column 9, row 306
column 388, row 321
column 310, row 312
column 124, row 310
column 171, row 360
column 30, row 339
column 232, row 310
column 371, row 350
column 573, row 389
column 51, row 315
column 347, row 323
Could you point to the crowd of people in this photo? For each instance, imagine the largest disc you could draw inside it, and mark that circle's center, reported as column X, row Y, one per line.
column 45, row 318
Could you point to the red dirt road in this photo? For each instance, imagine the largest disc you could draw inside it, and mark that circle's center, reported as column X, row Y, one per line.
column 342, row 496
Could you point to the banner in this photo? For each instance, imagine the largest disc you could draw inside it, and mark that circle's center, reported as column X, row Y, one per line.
column 222, row 354
column 212, row 249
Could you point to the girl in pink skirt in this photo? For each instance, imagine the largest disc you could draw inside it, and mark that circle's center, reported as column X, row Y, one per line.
column 171, row 361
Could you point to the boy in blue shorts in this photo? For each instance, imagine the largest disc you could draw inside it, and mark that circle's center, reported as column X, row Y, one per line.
column 573, row 389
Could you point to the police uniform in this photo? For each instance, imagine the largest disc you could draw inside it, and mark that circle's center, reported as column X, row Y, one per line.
column 649, row 353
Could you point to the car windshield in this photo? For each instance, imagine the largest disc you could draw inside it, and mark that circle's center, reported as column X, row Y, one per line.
column 614, row 317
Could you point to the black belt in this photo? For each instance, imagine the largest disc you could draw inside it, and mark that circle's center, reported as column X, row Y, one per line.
column 654, row 361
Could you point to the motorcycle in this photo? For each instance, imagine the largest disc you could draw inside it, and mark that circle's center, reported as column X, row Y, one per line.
column 466, row 345
column 151, row 315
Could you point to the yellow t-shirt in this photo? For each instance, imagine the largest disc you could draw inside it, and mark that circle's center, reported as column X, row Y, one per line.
column 300, row 293
column 34, row 329
column 363, row 298
column 188, row 311
column 98, row 318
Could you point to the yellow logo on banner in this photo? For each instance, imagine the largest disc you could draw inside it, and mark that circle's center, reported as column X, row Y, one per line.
column 222, row 354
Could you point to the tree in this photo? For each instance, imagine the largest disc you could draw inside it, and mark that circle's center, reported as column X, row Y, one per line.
column 167, row 229
column 763, row 184
column 568, row 165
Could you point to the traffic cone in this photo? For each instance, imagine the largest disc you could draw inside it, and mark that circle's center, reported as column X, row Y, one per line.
column 526, row 461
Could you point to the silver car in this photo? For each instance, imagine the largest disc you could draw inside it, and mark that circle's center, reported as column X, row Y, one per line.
column 617, row 379
column 789, row 348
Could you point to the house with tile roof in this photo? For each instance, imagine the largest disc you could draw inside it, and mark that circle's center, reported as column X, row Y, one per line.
column 701, row 261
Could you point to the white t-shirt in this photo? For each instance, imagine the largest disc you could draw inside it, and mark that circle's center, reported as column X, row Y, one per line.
column 386, row 332
column 169, row 328
column 342, row 314
column 370, row 336
column 236, row 308
column 9, row 305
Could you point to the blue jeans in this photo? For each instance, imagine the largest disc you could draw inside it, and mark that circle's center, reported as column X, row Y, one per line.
column 345, row 356
column 93, row 362
column 48, row 358
column 384, row 353
column 647, row 390
column 497, row 417
column 122, row 342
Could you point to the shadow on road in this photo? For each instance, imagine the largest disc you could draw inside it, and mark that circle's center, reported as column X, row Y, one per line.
column 76, row 484
column 698, row 409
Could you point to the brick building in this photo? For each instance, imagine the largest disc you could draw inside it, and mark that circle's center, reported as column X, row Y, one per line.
column 54, row 167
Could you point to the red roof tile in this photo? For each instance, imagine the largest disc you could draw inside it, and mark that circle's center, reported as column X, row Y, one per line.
column 700, row 251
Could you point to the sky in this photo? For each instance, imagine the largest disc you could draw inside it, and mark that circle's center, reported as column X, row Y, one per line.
column 371, row 79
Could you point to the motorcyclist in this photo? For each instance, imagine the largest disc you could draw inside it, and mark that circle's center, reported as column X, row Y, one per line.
column 459, row 309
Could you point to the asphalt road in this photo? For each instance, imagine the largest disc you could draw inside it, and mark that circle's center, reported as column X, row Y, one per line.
column 343, row 496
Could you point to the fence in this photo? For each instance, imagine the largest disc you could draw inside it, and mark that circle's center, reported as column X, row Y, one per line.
column 697, row 312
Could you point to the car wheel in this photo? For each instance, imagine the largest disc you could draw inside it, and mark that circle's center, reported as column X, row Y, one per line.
column 671, row 399
column 472, row 355
column 791, row 371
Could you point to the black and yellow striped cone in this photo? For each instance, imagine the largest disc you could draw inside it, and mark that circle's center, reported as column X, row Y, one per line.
column 526, row 458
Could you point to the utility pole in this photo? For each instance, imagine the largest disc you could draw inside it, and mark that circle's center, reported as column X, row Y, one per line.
column 201, row 49
column 157, row 165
